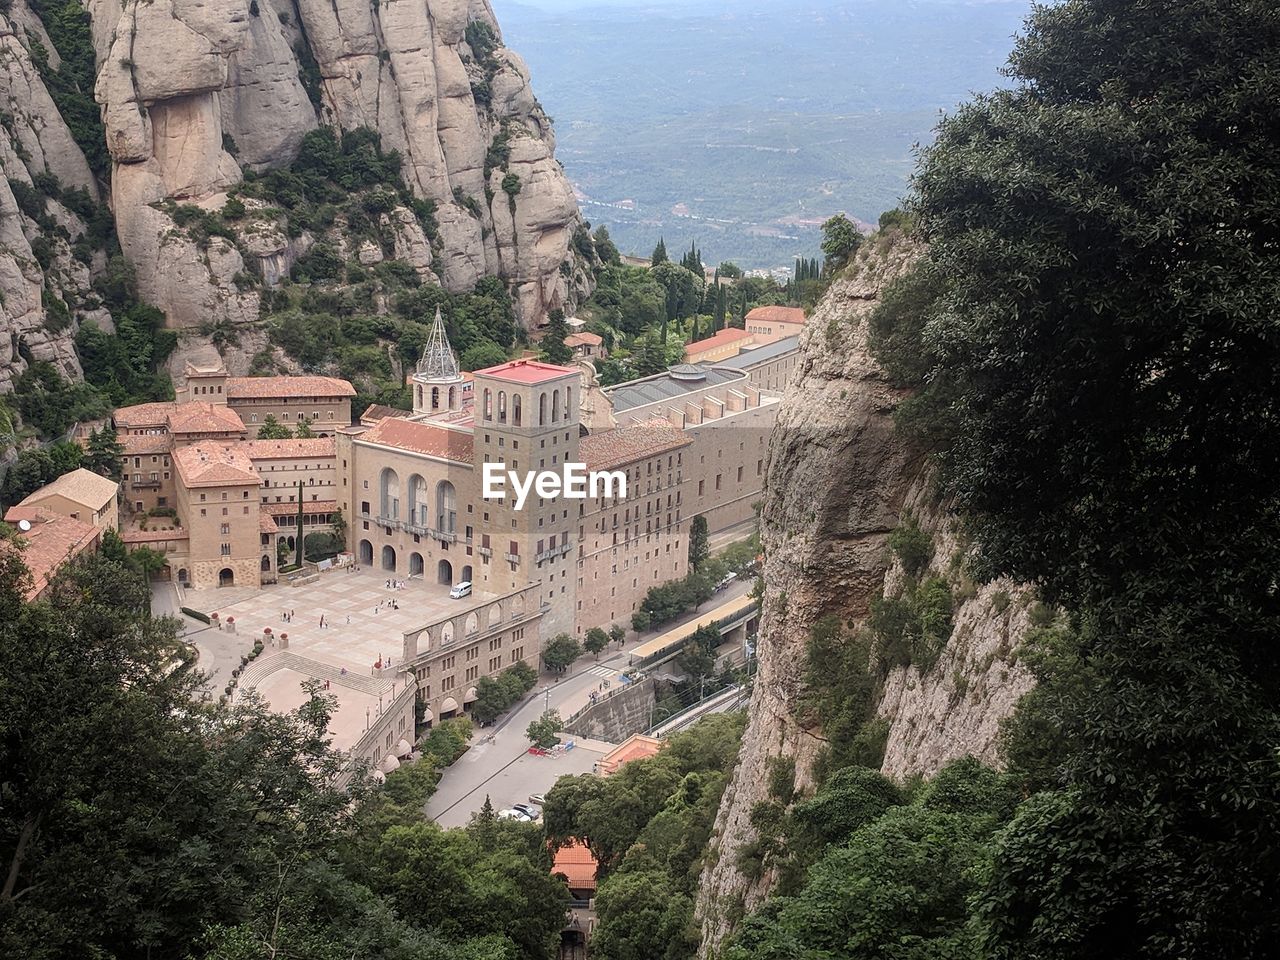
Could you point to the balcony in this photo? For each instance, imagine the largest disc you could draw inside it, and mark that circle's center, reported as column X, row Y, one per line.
column 417, row 529
column 445, row 536
column 485, row 551
column 512, row 557
column 145, row 484
column 392, row 523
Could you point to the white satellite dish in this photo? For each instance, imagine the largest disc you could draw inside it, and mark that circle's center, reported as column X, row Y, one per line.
column 24, row 526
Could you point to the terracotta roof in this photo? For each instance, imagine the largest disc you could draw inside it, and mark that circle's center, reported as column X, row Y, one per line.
column 578, row 865
column 624, row 445
column 152, row 536
column 143, row 414
column 428, row 438
column 308, row 506
column 581, row 339
column 244, row 388
column 718, row 339
column 214, row 465
column 266, row 524
column 308, row 447
column 145, row 443
column 526, row 371
column 197, row 416
column 380, row 411
column 79, row 486
column 778, row 315
column 635, row 747
column 52, row 541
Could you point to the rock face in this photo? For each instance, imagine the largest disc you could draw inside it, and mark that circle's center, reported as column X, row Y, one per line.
column 195, row 91
column 840, row 480
column 39, row 277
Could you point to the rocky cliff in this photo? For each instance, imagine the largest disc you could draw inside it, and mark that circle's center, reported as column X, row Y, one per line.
column 840, row 480
column 196, row 94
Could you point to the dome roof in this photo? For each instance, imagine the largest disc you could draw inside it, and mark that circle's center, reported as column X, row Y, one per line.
column 687, row 371
column 403, row 749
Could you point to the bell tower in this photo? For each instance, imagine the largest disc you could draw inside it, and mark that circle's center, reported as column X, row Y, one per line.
column 437, row 382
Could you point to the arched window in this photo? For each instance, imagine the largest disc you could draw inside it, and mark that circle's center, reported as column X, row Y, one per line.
column 555, row 405
column 446, row 507
column 389, row 486
column 515, row 409
column 453, row 401
column 502, row 406
column 419, row 507
column 419, row 396
column 568, row 403
column 488, row 404
column 435, row 398
column 542, row 409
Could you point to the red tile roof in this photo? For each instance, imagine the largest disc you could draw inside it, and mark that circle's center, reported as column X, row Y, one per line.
column 427, row 438
column 200, row 417
column 625, row 445
column 52, row 541
column 214, row 465
column 527, row 371
column 306, row 448
column 143, row 415
column 286, row 388
column 266, row 523
column 778, row 315
column 576, row 862
column 635, row 747
column 145, row 443
column 581, row 339
column 380, row 411
column 718, row 339
column 79, row 486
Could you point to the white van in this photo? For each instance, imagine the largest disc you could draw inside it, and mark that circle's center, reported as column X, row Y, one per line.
column 461, row 590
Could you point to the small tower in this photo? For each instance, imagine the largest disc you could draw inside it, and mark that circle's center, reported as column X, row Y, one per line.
column 437, row 384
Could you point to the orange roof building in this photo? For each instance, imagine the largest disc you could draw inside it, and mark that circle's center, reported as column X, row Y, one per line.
column 576, row 863
column 771, row 324
column 721, row 345
column 48, row 540
column 635, row 747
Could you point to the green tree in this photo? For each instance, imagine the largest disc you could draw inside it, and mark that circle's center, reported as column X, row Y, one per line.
column 104, row 455
column 618, row 634
column 303, row 430
column 560, row 652
column 699, row 542
column 840, row 240
column 595, row 641
column 659, row 254
column 545, row 731
column 483, row 354
column 272, row 429
column 554, row 349
column 1107, row 439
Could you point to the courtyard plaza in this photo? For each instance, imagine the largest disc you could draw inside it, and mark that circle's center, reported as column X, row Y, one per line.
column 356, row 651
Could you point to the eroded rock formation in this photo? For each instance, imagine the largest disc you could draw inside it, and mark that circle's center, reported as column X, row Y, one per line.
column 194, row 93
column 840, row 480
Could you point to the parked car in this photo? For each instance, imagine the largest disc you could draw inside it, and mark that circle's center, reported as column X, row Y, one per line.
column 533, row 813
column 461, row 590
column 539, row 798
column 728, row 579
column 514, row 815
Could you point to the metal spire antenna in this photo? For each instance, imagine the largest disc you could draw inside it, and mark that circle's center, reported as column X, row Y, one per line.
column 438, row 361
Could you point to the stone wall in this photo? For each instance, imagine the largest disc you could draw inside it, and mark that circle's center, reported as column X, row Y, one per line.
column 624, row 712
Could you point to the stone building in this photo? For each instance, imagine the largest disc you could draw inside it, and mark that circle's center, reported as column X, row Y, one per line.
column 770, row 324
column 219, row 511
column 323, row 402
column 81, row 495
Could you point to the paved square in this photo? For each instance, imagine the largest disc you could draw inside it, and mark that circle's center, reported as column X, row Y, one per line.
column 364, row 620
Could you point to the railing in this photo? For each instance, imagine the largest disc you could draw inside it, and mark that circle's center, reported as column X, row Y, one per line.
column 392, row 522
column 145, row 484
column 485, row 551
column 721, row 624
column 512, row 557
